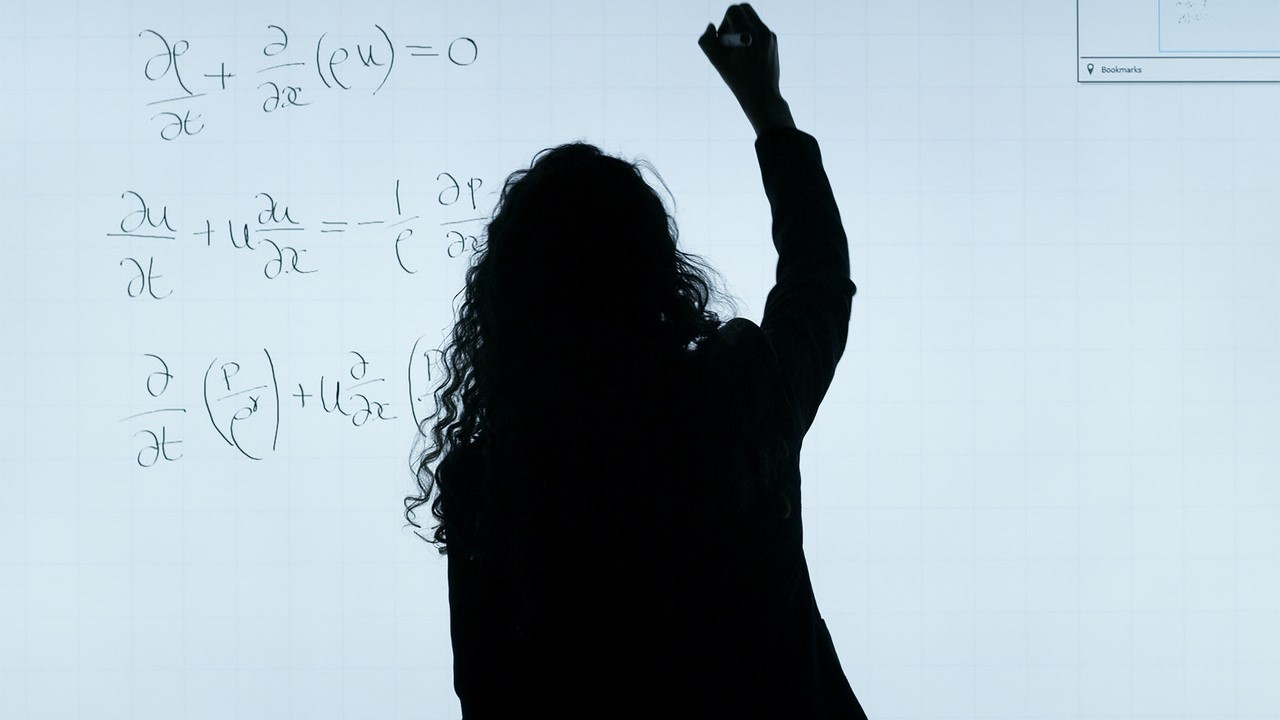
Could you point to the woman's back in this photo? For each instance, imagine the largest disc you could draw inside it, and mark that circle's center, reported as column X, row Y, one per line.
column 635, row 583
column 639, row 548
column 628, row 568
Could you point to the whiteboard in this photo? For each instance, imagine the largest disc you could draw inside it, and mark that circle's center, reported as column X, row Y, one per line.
column 1045, row 481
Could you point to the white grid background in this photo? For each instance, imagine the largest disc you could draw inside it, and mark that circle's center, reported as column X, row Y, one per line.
column 1044, row 484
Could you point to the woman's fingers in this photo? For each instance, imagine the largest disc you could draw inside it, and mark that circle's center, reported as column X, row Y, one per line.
column 738, row 19
column 732, row 19
column 751, row 19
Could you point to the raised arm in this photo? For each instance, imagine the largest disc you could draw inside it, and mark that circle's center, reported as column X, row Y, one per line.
column 806, row 315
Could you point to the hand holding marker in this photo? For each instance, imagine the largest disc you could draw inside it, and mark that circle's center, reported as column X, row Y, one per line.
column 745, row 53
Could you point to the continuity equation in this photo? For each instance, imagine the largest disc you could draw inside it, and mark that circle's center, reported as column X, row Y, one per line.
column 338, row 67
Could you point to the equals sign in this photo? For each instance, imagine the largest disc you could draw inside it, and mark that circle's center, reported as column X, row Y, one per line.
column 343, row 223
column 420, row 54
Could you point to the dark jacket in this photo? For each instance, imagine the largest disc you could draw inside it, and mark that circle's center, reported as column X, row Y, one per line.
column 645, row 601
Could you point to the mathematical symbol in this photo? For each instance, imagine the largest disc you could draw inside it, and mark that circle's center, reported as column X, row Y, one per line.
column 461, row 222
column 282, row 65
column 180, row 97
column 222, row 75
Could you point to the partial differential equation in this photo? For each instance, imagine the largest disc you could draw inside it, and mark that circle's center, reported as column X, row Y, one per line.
column 278, row 235
column 276, row 74
column 245, row 398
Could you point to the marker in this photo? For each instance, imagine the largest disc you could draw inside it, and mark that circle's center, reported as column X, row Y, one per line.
column 735, row 39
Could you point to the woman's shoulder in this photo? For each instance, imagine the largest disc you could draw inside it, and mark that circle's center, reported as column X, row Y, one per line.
column 736, row 331
column 741, row 368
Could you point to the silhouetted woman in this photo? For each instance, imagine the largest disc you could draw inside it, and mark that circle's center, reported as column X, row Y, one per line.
column 618, row 487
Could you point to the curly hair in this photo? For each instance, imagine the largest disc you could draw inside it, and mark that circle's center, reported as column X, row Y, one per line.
column 578, row 270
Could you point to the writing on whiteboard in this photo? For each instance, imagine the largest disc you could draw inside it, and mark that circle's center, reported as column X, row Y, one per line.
column 245, row 398
column 274, row 78
column 277, row 235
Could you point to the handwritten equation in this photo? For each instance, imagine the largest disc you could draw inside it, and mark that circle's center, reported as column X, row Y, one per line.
column 339, row 67
column 277, row 235
column 245, row 399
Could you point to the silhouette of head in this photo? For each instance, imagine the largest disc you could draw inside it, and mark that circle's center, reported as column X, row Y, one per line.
column 578, row 284
column 581, row 256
